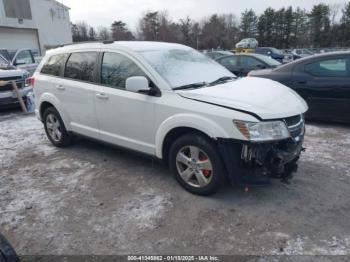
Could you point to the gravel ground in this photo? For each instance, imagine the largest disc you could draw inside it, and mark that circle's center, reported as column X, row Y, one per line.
column 95, row 199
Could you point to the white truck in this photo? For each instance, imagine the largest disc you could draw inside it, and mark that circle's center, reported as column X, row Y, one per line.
column 8, row 74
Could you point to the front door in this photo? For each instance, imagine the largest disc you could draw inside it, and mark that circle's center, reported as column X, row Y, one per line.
column 125, row 118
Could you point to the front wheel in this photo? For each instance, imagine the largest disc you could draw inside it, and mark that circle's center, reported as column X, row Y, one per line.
column 196, row 164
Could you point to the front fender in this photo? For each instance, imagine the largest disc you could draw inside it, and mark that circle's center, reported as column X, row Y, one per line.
column 203, row 124
column 52, row 99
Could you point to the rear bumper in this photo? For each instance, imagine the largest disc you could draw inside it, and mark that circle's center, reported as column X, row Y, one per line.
column 256, row 163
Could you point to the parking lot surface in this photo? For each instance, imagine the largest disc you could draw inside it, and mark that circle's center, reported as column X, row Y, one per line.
column 96, row 199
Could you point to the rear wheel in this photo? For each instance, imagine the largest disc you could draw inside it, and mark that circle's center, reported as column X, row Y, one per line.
column 55, row 129
column 196, row 164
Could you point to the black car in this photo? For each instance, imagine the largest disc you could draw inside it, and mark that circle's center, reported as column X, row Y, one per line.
column 242, row 64
column 322, row 80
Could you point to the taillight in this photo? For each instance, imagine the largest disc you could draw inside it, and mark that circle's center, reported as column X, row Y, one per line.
column 30, row 81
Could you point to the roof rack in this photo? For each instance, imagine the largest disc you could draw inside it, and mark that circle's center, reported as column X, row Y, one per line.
column 88, row 42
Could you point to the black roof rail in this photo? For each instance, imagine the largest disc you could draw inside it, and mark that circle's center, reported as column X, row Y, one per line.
column 88, row 42
column 106, row 42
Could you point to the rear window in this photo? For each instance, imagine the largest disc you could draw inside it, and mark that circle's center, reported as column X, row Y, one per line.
column 54, row 65
column 81, row 66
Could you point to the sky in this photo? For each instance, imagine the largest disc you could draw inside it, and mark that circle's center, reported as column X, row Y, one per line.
column 104, row 12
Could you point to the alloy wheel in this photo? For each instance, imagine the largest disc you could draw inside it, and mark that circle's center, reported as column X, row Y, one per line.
column 54, row 128
column 194, row 166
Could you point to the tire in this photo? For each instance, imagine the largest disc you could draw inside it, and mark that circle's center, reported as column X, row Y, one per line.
column 196, row 164
column 54, row 126
column 7, row 253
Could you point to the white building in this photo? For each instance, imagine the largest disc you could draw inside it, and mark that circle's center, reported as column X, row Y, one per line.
column 34, row 24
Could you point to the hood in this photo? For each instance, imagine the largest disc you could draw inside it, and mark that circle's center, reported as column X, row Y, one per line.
column 262, row 97
column 12, row 72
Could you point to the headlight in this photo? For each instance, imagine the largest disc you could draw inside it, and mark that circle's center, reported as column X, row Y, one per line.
column 263, row 131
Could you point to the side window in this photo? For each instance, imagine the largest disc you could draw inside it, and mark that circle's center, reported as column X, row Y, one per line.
column 24, row 57
column 250, row 62
column 54, row 65
column 116, row 68
column 330, row 68
column 230, row 61
column 81, row 66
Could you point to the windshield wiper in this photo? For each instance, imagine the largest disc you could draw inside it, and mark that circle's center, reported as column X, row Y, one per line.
column 191, row 86
column 222, row 80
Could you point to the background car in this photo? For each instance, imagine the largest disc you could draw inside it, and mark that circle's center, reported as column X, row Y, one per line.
column 217, row 54
column 22, row 58
column 322, row 80
column 274, row 53
column 242, row 64
column 300, row 53
column 247, row 43
column 9, row 73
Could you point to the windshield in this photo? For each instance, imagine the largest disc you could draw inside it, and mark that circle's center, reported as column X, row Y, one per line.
column 181, row 67
column 268, row 60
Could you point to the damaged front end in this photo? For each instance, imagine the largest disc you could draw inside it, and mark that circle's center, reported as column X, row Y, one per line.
column 255, row 163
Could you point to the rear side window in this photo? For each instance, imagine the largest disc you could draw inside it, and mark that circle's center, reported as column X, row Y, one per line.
column 116, row 68
column 81, row 66
column 330, row 68
column 54, row 65
column 250, row 62
column 229, row 61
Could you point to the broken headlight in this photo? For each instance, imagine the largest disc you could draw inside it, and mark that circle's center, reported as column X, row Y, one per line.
column 263, row 131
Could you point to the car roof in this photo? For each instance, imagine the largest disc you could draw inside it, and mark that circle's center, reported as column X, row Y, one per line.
column 135, row 46
column 311, row 59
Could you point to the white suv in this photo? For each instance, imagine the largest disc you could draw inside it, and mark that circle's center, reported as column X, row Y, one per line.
column 174, row 103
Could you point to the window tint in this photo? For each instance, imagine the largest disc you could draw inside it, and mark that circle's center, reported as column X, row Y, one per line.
column 24, row 57
column 81, row 66
column 116, row 68
column 229, row 61
column 249, row 62
column 330, row 68
column 54, row 65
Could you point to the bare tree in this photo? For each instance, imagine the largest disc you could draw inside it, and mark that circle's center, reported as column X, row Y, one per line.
column 103, row 33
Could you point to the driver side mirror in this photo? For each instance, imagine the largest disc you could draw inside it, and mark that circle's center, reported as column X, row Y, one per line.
column 137, row 84
column 260, row 66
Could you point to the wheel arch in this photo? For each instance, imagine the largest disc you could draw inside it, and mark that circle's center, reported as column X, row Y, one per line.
column 48, row 100
column 179, row 125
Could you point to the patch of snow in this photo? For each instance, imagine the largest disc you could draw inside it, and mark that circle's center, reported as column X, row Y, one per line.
column 22, row 134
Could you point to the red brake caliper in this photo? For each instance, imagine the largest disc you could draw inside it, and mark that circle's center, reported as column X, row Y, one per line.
column 206, row 172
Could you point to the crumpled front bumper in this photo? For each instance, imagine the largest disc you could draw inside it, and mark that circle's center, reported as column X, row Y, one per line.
column 256, row 163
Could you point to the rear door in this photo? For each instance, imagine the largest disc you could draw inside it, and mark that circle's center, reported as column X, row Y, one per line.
column 325, row 85
column 76, row 92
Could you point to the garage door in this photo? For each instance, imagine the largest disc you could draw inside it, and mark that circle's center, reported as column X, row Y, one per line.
column 15, row 38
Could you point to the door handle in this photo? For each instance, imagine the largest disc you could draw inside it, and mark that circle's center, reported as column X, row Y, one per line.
column 302, row 82
column 102, row 96
column 60, row 87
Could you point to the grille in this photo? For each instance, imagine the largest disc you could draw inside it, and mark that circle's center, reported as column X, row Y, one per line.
column 296, row 126
column 8, row 87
